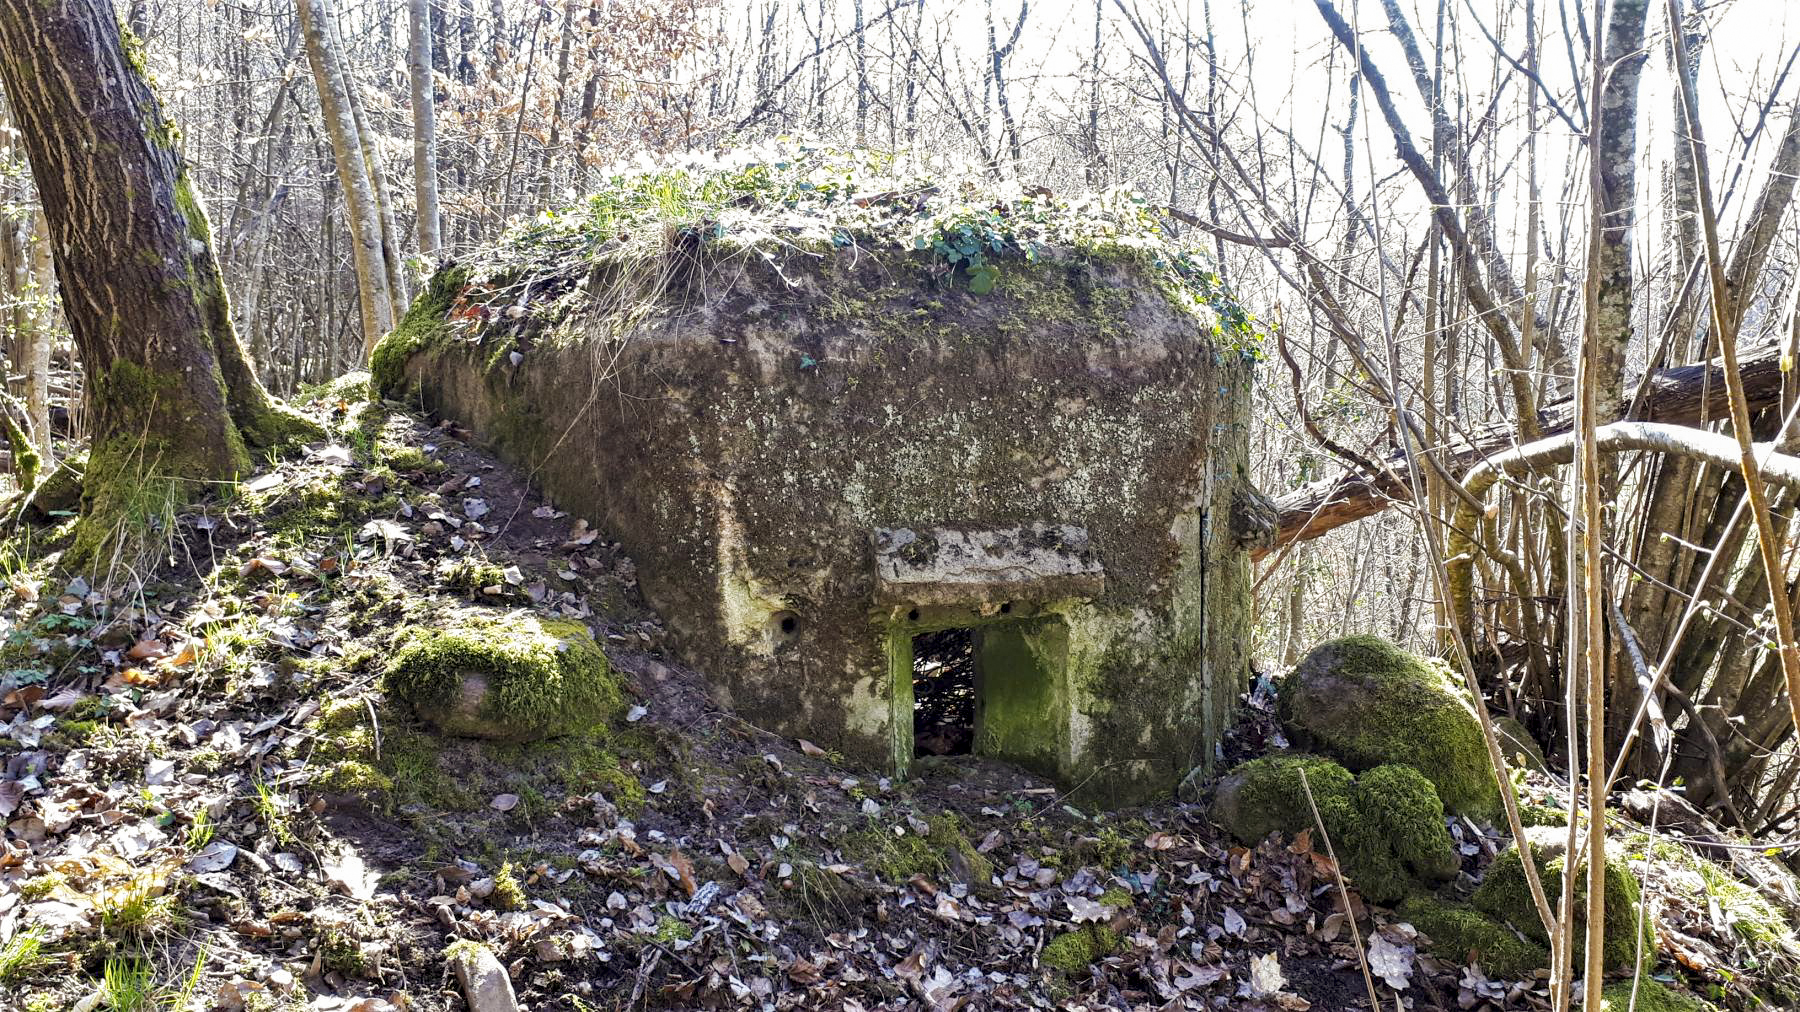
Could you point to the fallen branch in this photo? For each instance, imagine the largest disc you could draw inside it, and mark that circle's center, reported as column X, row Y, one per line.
column 1714, row 448
column 1681, row 396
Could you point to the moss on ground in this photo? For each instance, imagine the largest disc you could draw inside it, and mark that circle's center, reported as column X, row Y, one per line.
column 1652, row 996
column 472, row 577
column 1366, row 702
column 943, row 850
column 543, row 676
column 1111, row 848
column 1752, row 917
column 1504, row 894
column 319, row 509
column 1386, row 827
column 813, row 895
column 407, row 459
column 508, row 894
column 1073, row 952
column 1462, row 934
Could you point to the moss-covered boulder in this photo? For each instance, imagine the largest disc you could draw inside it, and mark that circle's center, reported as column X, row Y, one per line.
column 1386, row 826
column 60, row 490
column 1516, row 743
column 1504, row 895
column 507, row 676
column 1072, row 952
column 1365, row 702
column 1461, row 934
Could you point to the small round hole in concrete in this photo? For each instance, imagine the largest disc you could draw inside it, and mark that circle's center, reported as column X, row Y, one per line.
column 786, row 623
column 912, row 616
column 1006, row 609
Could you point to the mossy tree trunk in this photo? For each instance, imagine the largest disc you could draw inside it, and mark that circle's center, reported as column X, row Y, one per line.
column 173, row 401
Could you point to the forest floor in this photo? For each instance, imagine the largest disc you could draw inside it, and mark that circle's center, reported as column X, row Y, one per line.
column 186, row 826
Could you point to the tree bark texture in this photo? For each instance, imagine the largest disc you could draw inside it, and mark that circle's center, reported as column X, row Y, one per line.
column 172, row 399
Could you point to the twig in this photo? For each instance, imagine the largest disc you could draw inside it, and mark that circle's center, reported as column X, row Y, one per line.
column 1362, row 958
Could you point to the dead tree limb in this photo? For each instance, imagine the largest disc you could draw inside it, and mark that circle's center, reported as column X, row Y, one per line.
column 1679, row 395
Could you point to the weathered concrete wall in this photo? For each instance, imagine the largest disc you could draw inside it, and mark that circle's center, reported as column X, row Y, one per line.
column 749, row 436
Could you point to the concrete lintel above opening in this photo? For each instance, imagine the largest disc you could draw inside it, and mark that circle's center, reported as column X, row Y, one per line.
column 938, row 565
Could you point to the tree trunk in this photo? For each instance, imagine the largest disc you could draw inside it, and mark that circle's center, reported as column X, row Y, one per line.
column 1623, row 68
column 424, row 130
column 172, row 399
column 38, row 338
column 359, row 194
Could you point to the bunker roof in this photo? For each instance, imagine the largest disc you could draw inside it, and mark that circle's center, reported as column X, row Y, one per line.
column 789, row 201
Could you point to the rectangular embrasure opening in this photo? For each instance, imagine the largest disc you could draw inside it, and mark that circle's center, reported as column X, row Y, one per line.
column 993, row 690
column 943, row 676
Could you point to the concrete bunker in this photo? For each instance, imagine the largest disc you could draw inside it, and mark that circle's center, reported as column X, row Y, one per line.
column 828, row 444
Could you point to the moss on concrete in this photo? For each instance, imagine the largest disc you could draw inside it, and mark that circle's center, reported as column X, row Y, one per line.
column 1462, row 934
column 1366, row 702
column 1386, row 827
column 1504, row 894
column 543, row 677
column 425, row 323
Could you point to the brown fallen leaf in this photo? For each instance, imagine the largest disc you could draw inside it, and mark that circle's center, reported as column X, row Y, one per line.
column 803, row 972
column 685, row 869
column 579, row 536
column 147, row 649
column 736, row 861
column 188, row 654
column 274, row 567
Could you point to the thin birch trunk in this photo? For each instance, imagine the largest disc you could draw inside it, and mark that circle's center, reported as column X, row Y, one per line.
column 424, row 130
column 353, row 176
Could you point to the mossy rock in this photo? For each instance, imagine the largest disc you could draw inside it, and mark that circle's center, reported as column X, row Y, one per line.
column 1365, row 702
column 1462, row 934
column 1504, row 894
column 351, row 387
column 511, row 676
column 1386, row 826
column 1518, row 746
column 1072, row 952
column 60, row 490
